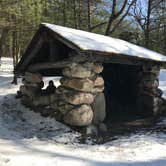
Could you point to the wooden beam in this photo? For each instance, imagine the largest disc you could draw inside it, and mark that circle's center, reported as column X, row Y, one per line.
column 103, row 57
column 49, row 65
column 34, row 51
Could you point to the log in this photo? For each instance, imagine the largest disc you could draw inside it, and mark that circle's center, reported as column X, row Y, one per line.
column 49, row 65
column 58, row 65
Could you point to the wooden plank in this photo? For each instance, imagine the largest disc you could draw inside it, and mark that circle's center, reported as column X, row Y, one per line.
column 49, row 65
column 114, row 58
column 119, row 58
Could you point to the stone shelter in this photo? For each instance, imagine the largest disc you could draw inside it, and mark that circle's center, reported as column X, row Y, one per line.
column 100, row 76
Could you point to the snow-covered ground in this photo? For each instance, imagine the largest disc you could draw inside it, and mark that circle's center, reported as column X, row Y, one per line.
column 27, row 139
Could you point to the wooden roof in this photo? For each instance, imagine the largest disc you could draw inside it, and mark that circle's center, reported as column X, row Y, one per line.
column 53, row 43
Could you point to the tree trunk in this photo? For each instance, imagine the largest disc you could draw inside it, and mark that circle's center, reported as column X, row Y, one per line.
column 79, row 14
column 107, row 32
column 89, row 16
column 164, row 47
column 147, row 30
column 14, row 48
column 115, row 14
column 2, row 41
column 64, row 13
column 75, row 14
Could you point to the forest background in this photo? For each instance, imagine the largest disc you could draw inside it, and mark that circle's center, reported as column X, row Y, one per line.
column 142, row 22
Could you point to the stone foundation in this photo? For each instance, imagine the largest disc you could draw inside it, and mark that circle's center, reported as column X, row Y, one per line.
column 81, row 84
column 78, row 101
column 149, row 95
column 31, row 90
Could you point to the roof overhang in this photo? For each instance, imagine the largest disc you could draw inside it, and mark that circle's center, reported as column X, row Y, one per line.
column 90, row 46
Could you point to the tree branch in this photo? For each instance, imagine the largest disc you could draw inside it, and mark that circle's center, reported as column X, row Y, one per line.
column 124, row 15
column 121, row 10
column 98, row 25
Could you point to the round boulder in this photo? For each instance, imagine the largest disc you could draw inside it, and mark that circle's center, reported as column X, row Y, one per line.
column 77, row 71
column 33, row 77
column 85, row 85
column 80, row 98
column 97, row 68
column 97, row 89
column 81, row 116
column 99, row 81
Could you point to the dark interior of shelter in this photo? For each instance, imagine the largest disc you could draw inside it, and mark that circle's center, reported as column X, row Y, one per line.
column 121, row 92
column 48, row 49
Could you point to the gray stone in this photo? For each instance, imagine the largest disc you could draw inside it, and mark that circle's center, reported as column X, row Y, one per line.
column 74, row 97
column 79, row 98
column 97, row 68
column 149, row 92
column 91, row 130
column 65, row 108
column 159, row 93
column 157, row 101
column 33, row 77
column 156, row 110
column 47, row 112
column 99, row 81
column 53, row 98
column 77, row 71
column 148, row 105
column 62, row 106
column 25, row 100
column 41, row 101
column 98, row 89
column 23, row 89
column 30, row 84
column 81, row 116
column 98, row 107
column 85, row 85
column 27, row 91
column 62, row 90
column 102, row 128
column 163, row 108
column 151, row 84
column 151, row 69
column 148, row 77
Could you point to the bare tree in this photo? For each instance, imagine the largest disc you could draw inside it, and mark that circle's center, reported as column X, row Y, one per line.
column 118, row 13
column 144, row 18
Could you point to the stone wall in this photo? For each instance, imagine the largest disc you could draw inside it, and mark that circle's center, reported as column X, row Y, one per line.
column 31, row 85
column 80, row 98
column 149, row 95
column 78, row 101
column 32, row 94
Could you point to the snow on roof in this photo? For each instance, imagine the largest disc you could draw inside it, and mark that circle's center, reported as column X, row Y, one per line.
column 95, row 42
